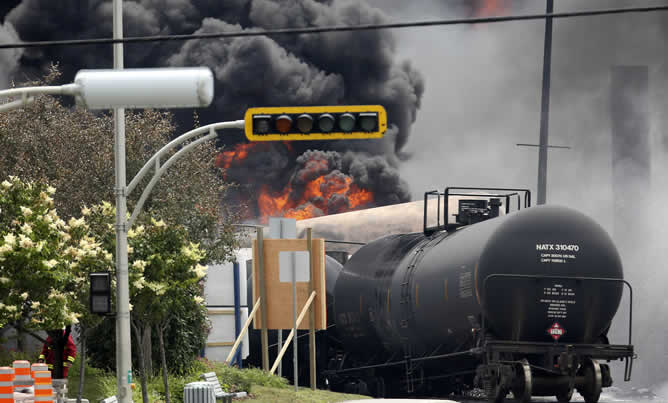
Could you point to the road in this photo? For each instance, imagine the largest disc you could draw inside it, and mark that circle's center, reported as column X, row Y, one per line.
column 606, row 397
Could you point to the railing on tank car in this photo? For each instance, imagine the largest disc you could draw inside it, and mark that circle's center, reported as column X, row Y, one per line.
column 626, row 352
column 447, row 226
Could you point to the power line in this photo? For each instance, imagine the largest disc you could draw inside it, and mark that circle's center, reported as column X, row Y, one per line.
column 316, row 30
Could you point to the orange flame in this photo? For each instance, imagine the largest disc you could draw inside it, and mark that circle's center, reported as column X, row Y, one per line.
column 313, row 201
column 316, row 193
column 239, row 152
column 490, row 8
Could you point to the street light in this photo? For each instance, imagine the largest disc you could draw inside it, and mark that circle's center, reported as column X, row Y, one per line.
column 131, row 88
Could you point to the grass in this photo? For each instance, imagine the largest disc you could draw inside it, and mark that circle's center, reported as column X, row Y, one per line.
column 261, row 386
column 263, row 394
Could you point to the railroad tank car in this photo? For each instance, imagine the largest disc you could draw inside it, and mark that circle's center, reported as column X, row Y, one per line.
column 521, row 302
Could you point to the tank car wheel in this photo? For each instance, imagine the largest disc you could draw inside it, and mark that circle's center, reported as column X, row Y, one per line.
column 379, row 387
column 494, row 391
column 523, row 383
column 591, row 391
column 565, row 396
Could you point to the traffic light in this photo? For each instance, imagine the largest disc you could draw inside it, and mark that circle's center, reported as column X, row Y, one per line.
column 316, row 122
column 100, row 293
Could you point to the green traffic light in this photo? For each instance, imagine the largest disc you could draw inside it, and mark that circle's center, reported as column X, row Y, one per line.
column 368, row 121
column 347, row 122
column 326, row 123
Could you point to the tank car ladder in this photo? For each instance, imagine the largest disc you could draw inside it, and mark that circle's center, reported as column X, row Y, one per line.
column 407, row 307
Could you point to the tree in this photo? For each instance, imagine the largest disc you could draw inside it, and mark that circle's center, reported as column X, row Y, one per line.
column 164, row 273
column 72, row 149
column 44, row 264
column 33, row 273
column 87, row 254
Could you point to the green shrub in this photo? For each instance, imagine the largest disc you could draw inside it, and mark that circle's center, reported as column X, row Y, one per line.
column 7, row 356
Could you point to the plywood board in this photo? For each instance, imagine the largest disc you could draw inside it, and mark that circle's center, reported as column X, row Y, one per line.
column 279, row 295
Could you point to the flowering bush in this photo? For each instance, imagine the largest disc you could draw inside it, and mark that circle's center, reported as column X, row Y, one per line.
column 34, row 273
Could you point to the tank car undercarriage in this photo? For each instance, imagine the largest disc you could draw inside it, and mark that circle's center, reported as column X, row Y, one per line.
column 545, row 369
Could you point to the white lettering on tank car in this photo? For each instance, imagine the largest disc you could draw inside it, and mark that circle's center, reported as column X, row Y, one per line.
column 557, row 257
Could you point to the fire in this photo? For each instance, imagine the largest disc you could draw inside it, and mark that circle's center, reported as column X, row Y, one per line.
column 316, row 199
column 489, row 8
column 239, row 152
column 317, row 188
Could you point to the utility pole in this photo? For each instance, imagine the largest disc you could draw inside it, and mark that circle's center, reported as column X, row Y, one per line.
column 545, row 108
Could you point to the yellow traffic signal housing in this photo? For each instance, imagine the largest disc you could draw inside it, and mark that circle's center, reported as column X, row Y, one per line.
column 316, row 122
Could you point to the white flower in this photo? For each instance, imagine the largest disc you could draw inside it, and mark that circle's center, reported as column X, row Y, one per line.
column 139, row 284
column 85, row 211
column 25, row 242
column 4, row 280
column 50, row 263
column 139, row 264
column 73, row 223
column 130, row 306
column 10, row 308
column 5, row 248
column 108, row 256
column 6, row 184
column 24, row 295
column 35, row 304
column 198, row 299
column 26, row 228
column 26, row 211
column 73, row 317
column 10, row 239
column 158, row 223
column 130, row 249
column 200, row 271
column 51, row 190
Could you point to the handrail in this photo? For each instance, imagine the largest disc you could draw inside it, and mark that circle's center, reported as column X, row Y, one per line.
column 539, row 277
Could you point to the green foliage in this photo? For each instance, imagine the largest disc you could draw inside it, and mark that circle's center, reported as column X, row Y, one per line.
column 92, row 389
column 34, row 273
column 7, row 356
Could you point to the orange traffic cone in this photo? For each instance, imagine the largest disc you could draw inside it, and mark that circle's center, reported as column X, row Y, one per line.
column 22, row 379
column 43, row 387
column 6, row 385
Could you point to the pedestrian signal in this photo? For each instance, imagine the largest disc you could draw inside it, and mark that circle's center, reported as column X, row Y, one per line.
column 100, row 293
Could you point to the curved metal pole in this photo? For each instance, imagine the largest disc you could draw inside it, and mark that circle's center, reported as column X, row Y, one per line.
column 161, row 171
column 67, row 89
column 235, row 124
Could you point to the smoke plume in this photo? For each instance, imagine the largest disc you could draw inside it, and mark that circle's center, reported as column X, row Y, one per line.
column 321, row 69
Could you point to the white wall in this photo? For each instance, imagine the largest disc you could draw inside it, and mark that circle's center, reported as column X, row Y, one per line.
column 219, row 298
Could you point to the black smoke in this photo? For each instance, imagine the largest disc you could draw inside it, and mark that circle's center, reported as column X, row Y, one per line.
column 317, row 69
